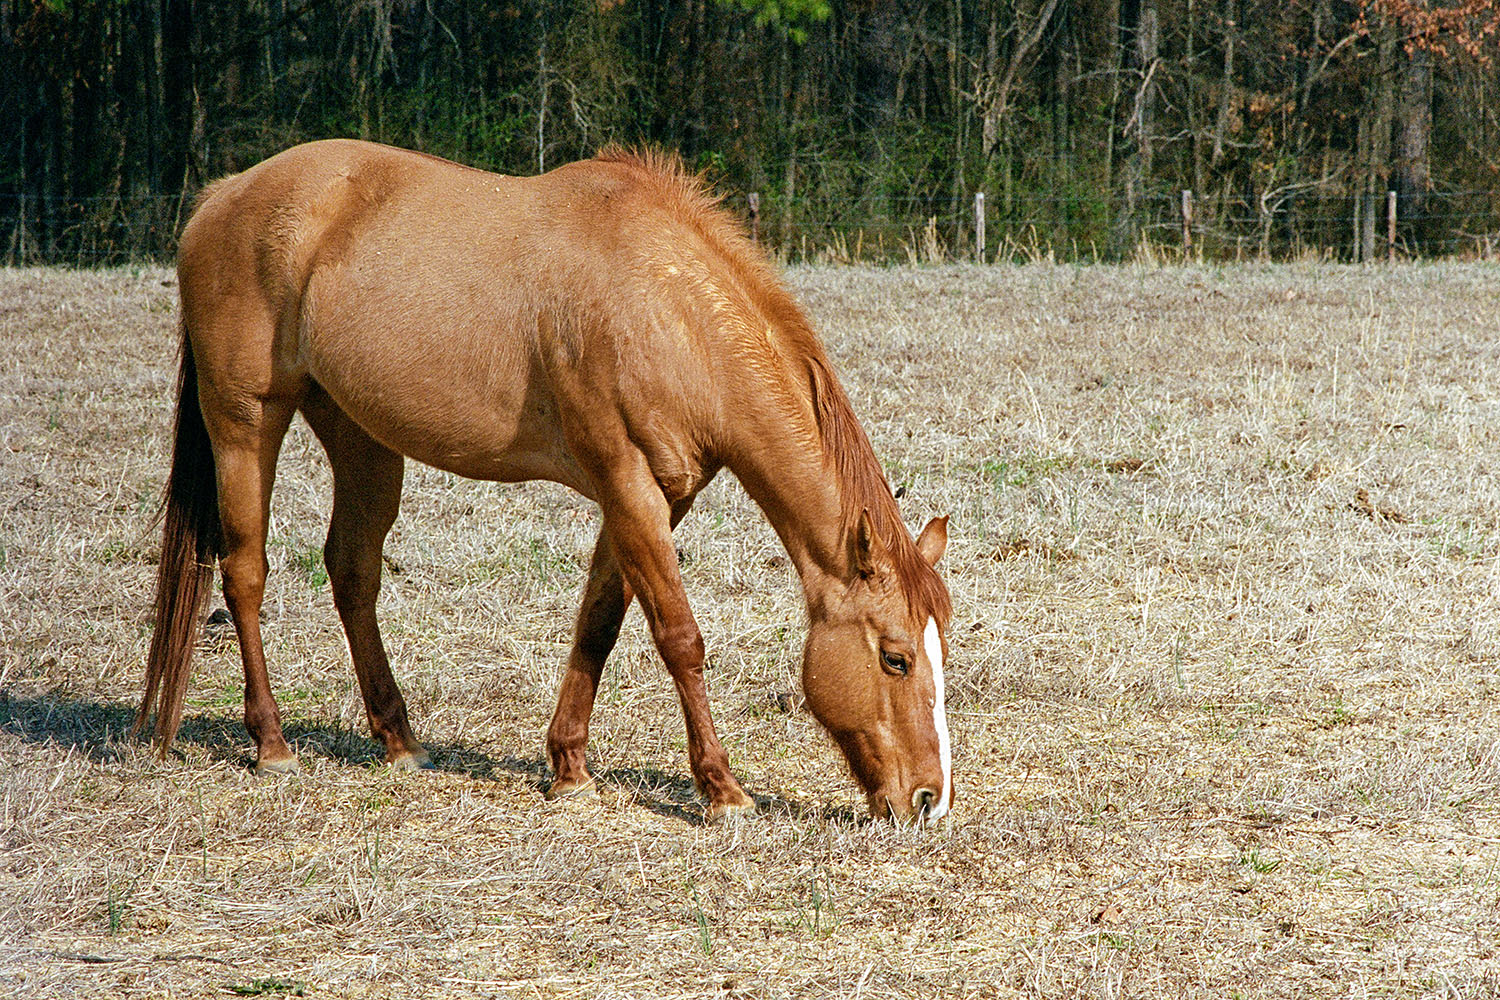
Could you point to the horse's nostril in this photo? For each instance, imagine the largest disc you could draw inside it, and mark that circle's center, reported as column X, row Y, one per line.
column 922, row 801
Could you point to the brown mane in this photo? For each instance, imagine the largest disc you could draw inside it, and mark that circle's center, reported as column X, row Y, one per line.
column 846, row 447
column 863, row 486
column 693, row 203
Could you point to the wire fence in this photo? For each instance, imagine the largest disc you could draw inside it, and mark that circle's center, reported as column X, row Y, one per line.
column 118, row 229
column 1356, row 228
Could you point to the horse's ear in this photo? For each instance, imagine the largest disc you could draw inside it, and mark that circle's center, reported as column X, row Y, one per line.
column 933, row 541
column 869, row 551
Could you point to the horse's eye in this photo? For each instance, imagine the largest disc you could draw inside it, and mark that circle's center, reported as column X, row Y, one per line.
column 894, row 663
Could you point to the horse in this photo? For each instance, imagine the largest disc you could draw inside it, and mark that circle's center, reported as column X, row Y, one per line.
column 607, row 326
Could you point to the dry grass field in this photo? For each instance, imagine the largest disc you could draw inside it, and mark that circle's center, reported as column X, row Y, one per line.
column 1224, row 679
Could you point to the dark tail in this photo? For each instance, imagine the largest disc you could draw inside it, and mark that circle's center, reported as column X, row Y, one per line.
column 190, row 542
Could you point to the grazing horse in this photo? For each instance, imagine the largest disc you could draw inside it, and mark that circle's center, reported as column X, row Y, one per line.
column 606, row 326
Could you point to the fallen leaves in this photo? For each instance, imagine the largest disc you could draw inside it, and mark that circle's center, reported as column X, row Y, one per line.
column 1363, row 505
column 1023, row 546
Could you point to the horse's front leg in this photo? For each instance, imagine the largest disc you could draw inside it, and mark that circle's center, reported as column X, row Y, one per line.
column 638, row 521
column 606, row 597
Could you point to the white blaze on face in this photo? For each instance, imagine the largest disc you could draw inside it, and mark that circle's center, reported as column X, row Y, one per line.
column 932, row 641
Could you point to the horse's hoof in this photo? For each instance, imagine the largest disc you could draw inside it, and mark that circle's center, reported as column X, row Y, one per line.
column 572, row 790
column 418, row 761
column 726, row 812
column 280, row 765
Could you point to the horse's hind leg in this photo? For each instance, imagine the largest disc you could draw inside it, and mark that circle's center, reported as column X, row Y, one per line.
column 606, row 596
column 366, row 495
column 246, row 441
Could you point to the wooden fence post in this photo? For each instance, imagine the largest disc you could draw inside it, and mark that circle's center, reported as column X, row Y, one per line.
column 979, row 226
column 1354, row 252
column 1390, row 225
column 1187, row 220
column 755, row 216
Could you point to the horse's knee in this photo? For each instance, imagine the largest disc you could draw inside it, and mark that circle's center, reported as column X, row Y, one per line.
column 680, row 645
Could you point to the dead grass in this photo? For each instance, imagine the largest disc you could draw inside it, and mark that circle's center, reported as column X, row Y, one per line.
column 1224, row 675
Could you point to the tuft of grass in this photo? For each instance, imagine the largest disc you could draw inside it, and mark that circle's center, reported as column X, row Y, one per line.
column 705, row 936
column 310, row 562
column 117, row 904
column 1023, row 469
column 817, row 910
column 1259, row 863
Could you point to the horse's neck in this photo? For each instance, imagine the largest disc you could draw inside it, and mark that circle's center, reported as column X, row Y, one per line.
column 786, row 474
column 801, row 501
column 783, row 456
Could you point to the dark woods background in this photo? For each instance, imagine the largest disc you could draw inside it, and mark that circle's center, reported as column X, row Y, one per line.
column 864, row 127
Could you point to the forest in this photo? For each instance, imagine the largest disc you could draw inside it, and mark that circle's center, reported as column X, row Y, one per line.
column 856, row 129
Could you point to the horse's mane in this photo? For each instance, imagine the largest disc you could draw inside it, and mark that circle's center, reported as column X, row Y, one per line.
column 846, row 447
column 863, row 487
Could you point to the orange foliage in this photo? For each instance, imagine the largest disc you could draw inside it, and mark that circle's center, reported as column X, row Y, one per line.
column 1469, row 27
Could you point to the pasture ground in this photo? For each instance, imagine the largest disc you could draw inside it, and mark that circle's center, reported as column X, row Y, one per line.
column 1224, row 676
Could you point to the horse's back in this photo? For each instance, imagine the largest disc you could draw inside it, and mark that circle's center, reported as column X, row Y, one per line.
column 344, row 209
column 464, row 317
column 282, row 213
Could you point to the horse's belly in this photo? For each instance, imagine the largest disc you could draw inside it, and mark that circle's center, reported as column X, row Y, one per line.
column 441, row 386
column 498, row 439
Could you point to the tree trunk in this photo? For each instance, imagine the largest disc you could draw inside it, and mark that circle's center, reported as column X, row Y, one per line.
column 955, row 100
column 88, row 95
column 179, row 66
column 1381, row 114
column 1060, row 109
column 154, row 111
column 544, row 82
column 882, row 41
column 695, row 62
column 130, row 103
column 1226, row 82
column 276, row 85
column 1412, row 164
column 1140, row 38
column 989, row 132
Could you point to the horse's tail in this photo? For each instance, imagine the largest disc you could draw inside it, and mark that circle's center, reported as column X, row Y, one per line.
column 190, row 543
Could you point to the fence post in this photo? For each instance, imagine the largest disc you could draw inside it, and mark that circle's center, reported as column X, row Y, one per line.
column 1359, row 201
column 755, row 216
column 1390, row 225
column 21, row 232
column 1187, row 220
column 979, row 226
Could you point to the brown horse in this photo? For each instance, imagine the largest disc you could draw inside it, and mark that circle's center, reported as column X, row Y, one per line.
column 605, row 326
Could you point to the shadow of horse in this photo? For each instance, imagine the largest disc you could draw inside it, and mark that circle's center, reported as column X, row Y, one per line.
column 100, row 732
column 675, row 796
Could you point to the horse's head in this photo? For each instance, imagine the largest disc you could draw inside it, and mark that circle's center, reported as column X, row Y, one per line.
column 873, row 672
